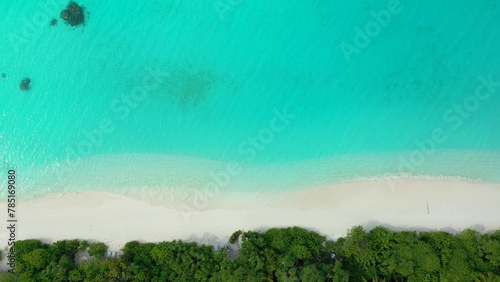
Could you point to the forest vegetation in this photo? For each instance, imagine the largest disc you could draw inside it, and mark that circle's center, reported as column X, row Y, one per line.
column 278, row 254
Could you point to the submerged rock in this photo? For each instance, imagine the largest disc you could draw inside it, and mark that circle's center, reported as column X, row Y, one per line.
column 53, row 22
column 25, row 84
column 73, row 14
column 4, row 75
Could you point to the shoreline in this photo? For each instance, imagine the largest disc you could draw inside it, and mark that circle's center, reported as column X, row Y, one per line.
column 329, row 209
column 180, row 175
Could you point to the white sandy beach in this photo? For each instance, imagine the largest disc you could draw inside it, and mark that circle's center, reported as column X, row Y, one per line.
column 330, row 210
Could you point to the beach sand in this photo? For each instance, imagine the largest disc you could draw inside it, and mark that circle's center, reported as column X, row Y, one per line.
column 449, row 205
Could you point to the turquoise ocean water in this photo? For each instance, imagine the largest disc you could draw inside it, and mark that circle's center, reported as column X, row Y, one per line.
column 268, row 96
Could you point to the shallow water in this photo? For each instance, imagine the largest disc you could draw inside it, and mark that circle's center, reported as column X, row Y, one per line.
column 177, row 90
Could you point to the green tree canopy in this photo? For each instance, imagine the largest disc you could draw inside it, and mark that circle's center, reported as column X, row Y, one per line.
column 98, row 250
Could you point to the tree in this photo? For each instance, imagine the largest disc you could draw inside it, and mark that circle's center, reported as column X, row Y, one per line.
column 360, row 257
column 25, row 246
column 36, row 260
column 469, row 241
column 115, row 270
column 487, row 277
column 234, row 237
column 76, row 275
column 93, row 270
column 279, row 254
column 7, row 277
column 54, row 272
column 409, row 259
column 98, row 250
column 338, row 273
column 298, row 243
column 312, row 273
column 67, row 248
column 490, row 246
column 31, row 256
column 138, row 259
column 254, row 260
column 180, row 261
column 83, row 246
column 442, row 242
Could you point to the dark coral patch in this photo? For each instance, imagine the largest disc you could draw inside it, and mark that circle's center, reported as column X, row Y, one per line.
column 73, row 14
column 25, row 84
